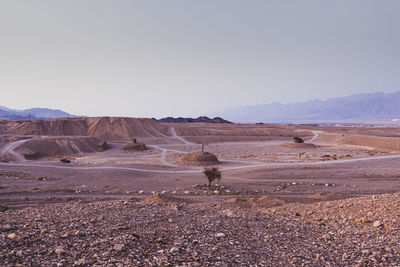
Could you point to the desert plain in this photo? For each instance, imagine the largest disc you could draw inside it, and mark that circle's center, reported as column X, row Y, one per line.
column 130, row 192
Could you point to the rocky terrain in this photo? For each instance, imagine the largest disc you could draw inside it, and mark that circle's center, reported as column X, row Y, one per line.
column 318, row 203
column 168, row 231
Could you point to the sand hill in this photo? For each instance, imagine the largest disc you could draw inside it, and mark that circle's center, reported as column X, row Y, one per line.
column 105, row 128
column 57, row 146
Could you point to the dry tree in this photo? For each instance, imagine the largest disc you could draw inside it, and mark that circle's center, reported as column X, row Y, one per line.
column 212, row 174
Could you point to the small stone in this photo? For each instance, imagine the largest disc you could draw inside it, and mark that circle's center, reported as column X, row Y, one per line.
column 216, row 192
column 141, row 192
column 326, row 237
column 11, row 236
column 3, row 208
column 377, row 224
column 170, row 220
column 186, row 192
column 65, row 235
column 19, row 253
column 43, row 231
column 219, row 235
column 59, row 251
column 119, row 247
column 80, row 262
column 172, row 250
column 14, row 237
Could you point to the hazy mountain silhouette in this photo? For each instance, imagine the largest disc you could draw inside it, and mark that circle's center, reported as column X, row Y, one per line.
column 33, row 113
column 361, row 107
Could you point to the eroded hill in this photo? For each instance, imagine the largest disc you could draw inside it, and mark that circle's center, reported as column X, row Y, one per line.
column 105, row 128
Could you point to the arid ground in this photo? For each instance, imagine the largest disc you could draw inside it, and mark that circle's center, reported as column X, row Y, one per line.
column 330, row 201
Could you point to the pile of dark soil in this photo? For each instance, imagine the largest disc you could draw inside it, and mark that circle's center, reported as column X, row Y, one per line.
column 135, row 147
column 199, row 158
column 299, row 145
column 161, row 199
column 264, row 202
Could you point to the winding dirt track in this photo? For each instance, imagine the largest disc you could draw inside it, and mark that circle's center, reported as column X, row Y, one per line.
column 9, row 148
column 164, row 151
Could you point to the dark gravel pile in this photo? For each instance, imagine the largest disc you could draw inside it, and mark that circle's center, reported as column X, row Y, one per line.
column 134, row 233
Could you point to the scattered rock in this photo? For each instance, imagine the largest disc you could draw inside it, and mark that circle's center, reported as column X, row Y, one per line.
column 219, row 235
column 119, row 247
column 3, row 208
column 59, row 251
column 14, row 237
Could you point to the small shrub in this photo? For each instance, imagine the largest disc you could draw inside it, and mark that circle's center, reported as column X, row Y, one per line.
column 212, row 174
column 298, row 140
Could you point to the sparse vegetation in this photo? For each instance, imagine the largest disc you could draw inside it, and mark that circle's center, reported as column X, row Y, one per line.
column 212, row 174
column 65, row 160
column 298, row 140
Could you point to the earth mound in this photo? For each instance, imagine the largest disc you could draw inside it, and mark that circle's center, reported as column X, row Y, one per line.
column 263, row 202
column 199, row 158
column 135, row 147
column 160, row 199
column 325, row 196
column 37, row 148
column 299, row 145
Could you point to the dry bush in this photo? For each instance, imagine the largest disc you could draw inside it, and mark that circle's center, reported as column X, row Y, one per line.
column 212, row 174
column 298, row 140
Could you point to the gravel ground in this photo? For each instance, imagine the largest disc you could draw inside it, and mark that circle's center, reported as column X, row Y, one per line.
column 167, row 231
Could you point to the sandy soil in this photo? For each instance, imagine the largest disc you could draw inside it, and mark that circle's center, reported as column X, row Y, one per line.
column 279, row 203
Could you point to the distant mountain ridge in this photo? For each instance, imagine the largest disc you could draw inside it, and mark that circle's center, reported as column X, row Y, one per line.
column 353, row 108
column 199, row 119
column 33, row 113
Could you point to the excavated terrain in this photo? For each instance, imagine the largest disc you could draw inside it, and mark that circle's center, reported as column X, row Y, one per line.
column 330, row 201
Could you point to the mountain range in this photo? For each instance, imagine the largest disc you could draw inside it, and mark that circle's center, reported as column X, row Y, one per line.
column 354, row 108
column 360, row 108
column 190, row 120
column 33, row 113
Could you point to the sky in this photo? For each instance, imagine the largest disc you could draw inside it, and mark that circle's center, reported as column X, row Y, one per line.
column 188, row 58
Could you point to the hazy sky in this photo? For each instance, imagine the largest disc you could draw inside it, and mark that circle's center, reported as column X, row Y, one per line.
column 157, row 58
